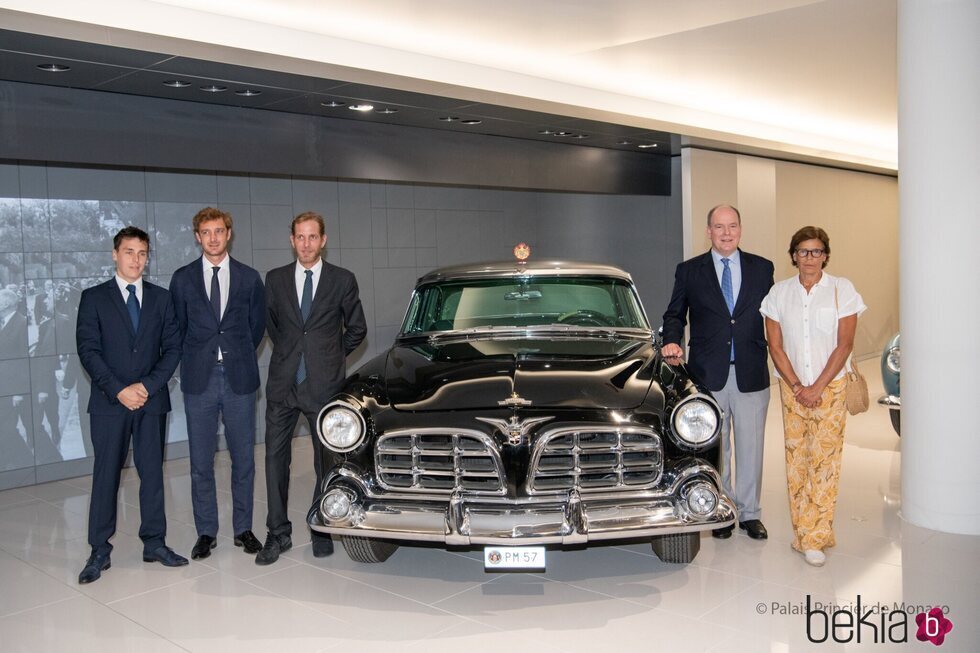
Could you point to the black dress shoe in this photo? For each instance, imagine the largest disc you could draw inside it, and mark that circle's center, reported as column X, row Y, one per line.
column 723, row 533
column 248, row 541
column 322, row 546
column 274, row 545
column 754, row 529
column 96, row 564
column 165, row 556
column 202, row 549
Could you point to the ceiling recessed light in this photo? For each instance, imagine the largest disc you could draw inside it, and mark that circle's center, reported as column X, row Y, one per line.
column 645, row 146
column 53, row 67
column 361, row 107
column 471, row 121
column 332, row 104
column 545, row 132
column 623, row 142
column 248, row 92
column 580, row 135
column 176, row 83
column 387, row 110
column 563, row 133
column 214, row 88
column 449, row 118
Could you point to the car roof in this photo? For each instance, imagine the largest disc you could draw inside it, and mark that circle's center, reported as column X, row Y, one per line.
column 498, row 269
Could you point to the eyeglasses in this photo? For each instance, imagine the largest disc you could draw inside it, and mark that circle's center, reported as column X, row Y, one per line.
column 807, row 253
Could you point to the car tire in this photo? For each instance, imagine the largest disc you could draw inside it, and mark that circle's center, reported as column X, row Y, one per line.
column 896, row 421
column 679, row 548
column 366, row 549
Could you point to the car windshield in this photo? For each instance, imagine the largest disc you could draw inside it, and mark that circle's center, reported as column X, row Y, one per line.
column 598, row 302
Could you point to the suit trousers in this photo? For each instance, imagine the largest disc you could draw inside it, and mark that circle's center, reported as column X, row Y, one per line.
column 238, row 415
column 110, row 438
column 743, row 428
column 280, row 423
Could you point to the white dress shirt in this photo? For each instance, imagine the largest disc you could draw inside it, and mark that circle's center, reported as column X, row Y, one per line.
column 301, row 279
column 122, row 283
column 736, row 267
column 224, row 279
column 808, row 321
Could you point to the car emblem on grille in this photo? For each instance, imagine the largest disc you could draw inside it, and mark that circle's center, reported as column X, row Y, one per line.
column 514, row 401
column 515, row 429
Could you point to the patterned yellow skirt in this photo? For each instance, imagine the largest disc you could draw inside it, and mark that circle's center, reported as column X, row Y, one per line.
column 814, row 441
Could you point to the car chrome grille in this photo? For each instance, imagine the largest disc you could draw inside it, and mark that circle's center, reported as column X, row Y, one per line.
column 595, row 459
column 437, row 460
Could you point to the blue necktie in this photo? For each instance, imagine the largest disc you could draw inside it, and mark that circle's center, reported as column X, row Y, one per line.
column 133, row 306
column 305, row 307
column 726, row 289
column 216, row 294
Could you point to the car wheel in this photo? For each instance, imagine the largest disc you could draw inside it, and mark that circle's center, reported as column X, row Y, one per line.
column 677, row 548
column 365, row 549
column 896, row 421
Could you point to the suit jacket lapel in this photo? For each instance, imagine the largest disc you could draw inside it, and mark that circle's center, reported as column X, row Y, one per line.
column 747, row 282
column 235, row 283
column 289, row 281
column 711, row 278
column 322, row 288
column 115, row 298
column 202, row 290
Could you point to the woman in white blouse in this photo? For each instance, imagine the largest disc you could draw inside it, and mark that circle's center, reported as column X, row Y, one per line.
column 811, row 319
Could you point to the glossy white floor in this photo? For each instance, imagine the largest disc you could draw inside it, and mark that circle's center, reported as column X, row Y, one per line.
column 424, row 599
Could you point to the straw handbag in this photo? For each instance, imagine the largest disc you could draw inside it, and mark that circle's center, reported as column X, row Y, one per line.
column 856, row 387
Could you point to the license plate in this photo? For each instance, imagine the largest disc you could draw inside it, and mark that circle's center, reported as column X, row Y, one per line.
column 506, row 558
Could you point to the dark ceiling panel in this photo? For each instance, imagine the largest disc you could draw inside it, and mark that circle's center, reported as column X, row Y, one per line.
column 132, row 72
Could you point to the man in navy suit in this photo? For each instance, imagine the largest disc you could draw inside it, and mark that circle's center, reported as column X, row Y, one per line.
column 721, row 291
column 315, row 320
column 129, row 344
column 220, row 306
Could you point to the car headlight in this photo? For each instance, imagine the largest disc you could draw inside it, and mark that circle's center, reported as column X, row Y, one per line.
column 340, row 426
column 894, row 359
column 695, row 421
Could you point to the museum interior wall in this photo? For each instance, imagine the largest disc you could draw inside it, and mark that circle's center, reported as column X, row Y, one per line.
column 57, row 222
column 858, row 210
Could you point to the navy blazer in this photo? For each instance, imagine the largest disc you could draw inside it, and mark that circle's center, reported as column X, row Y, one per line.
column 697, row 293
column 335, row 328
column 115, row 356
column 238, row 334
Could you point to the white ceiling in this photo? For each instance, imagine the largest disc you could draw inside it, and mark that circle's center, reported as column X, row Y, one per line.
column 815, row 78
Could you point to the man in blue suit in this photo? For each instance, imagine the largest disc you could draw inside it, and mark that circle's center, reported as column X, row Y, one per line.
column 129, row 344
column 220, row 306
column 721, row 291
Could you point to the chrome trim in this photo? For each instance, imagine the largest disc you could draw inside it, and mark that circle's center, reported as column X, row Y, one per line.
column 458, row 454
column 503, row 269
column 350, row 406
column 576, row 472
column 681, row 442
column 891, row 402
column 514, row 429
column 466, row 519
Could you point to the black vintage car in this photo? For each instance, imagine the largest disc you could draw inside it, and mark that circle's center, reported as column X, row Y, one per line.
column 521, row 405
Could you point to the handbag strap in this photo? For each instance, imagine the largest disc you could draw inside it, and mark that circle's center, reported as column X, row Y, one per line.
column 848, row 368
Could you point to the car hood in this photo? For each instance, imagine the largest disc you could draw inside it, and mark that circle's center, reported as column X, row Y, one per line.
column 480, row 373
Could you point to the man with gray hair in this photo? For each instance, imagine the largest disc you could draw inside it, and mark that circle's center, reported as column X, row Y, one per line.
column 721, row 291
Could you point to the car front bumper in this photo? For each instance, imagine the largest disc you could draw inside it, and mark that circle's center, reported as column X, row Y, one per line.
column 571, row 518
column 891, row 402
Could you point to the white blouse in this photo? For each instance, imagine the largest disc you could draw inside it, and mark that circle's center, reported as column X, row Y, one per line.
column 809, row 321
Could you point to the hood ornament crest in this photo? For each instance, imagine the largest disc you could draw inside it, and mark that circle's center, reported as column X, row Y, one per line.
column 514, row 401
column 515, row 429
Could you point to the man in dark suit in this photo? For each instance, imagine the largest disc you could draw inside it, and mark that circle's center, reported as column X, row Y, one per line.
column 220, row 306
column 129, row 344
column 13, row 326
column 314, row 320
column 721, row 291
